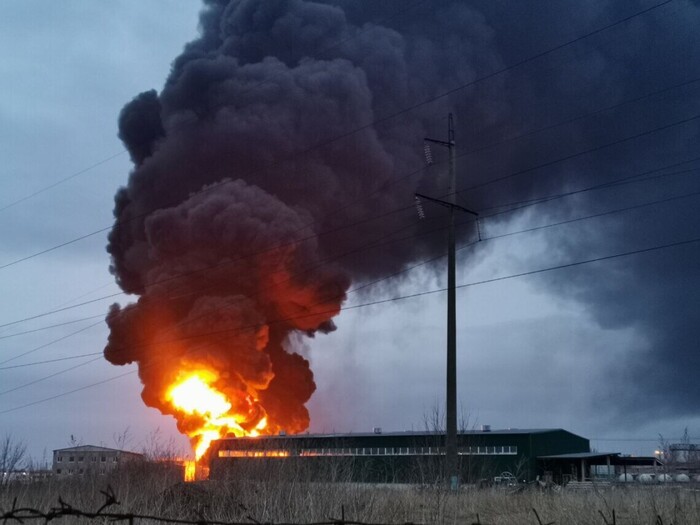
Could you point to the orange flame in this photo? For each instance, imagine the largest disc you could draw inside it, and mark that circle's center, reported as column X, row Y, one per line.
column 208, row 413
column 190, row 470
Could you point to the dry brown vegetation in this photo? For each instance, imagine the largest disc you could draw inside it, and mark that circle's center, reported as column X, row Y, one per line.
column 158, row 491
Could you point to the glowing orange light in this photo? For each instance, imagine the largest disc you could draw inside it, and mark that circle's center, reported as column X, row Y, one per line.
column 190, row 470
column 260, row 426
column 254, row 453
column 193, row 394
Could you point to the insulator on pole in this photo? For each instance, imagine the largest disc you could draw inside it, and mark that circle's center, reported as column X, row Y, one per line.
column 419, row 208
column 428, row 154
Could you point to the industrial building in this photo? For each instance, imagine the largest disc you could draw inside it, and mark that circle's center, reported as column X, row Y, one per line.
column 399, row 456
column 86, row 460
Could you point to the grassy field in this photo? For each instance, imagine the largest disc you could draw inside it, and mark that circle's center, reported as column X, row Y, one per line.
column 160, row 492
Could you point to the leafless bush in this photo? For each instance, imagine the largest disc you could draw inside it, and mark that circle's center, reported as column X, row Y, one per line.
column 12, row 456
column 156, row 447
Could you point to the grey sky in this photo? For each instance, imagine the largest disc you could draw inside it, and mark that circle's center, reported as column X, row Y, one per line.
column 578, row 348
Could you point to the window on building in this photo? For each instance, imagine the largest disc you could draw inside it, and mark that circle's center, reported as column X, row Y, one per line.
column 71, row 458
column 59, row 459
column 93, row 458
column 80, row 459
column 58, row 471
column 103, row 458
column 80, row 471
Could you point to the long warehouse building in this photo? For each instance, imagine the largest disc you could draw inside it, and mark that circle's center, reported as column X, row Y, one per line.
column 406, row 457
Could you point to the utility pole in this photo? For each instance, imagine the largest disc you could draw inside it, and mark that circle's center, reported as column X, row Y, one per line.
column 451, row 457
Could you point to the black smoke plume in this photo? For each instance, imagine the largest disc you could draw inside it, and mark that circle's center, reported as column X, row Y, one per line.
column 235, row 220
column 242, row 224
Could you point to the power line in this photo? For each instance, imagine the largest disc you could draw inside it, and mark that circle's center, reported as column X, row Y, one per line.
column 525, row 203
column 55, row 247
column 45, row 345
column 47, row 361
column 630, row 179
column 210, row 267
column 657, row 6
column 185, row 122
column 601, row 214
column 587, row 261
column 533, row 131
column 424, row 262
column 113, row 295
column 568, row 265
column 393, row 299
column 366, row 126
column 497, row 72
column 14, row 389
column 61, row 181
column 48, row 327
column 492, row 181
column 579, row 153
column 375, row 243
column 577, row 118
column 63, row 309
column 102, row 382
column 503, row 235
column 549, row 198
column 476, row 186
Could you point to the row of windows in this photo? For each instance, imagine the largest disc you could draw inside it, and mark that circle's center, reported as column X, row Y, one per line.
column 71, row 459
column 370, row 451
column 73, row 471
column 496, row 450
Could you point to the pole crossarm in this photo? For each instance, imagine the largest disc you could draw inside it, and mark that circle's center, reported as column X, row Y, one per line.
column 446, row 204
column 441, row 142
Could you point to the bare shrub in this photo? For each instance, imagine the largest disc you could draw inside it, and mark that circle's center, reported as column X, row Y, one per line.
column 12, row 457
column 157, row 447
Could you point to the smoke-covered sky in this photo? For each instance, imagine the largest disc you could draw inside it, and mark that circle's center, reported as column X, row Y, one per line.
column 265, row 123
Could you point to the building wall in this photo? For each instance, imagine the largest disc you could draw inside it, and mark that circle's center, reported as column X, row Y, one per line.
column 553, row 443
column 404, row 457
column 95, row 461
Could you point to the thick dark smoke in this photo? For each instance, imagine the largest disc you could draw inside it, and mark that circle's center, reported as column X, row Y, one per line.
column 654, row 294
column 236, row 229
column 233, row 164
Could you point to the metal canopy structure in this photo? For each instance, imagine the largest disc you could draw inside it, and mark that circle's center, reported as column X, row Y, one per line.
column 604, row 458
column 580, row 463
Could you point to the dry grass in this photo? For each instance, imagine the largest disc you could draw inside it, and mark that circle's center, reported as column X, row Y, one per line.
column 159, row 492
